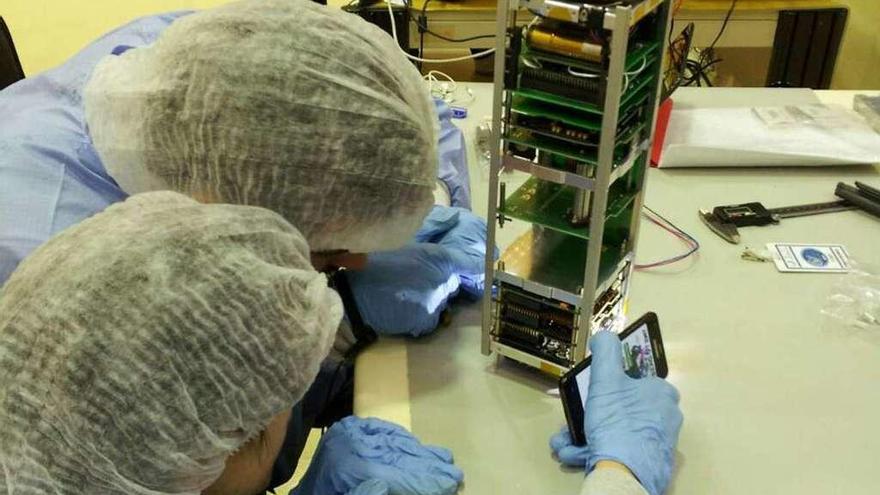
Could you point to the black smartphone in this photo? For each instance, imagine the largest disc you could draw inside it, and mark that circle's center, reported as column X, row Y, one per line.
column 643, row 355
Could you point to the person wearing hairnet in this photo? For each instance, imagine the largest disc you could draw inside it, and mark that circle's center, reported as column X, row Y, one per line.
column 325, row 85
column 156, row 348
column 307, row 111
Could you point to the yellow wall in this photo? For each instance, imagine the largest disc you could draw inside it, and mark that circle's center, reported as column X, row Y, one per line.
column 858, row 63
column 47, row 32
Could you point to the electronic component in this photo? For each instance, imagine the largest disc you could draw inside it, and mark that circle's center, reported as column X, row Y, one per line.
column 535, row 324
column 551, row 81
column 550, row 205
column 563, row 44
column 531, row 120
column 578, row 95
column 545, row 326
column 577, row 79
column 557, row 129
column 745, row 214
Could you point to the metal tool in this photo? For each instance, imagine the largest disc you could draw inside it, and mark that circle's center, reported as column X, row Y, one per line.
column 862, row 196
column 724, row 220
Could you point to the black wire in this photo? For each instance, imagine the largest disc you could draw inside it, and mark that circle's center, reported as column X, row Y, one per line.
column 460, row 40
column 421, row 29
column 676, row 227
column 699, row 68
column 698, row 72
column 723, row 24
column 674, row 74
column 424, row 27
column 695, row 244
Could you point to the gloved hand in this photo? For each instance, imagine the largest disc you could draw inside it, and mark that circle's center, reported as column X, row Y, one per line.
column 405, row 291
column 373, row 457
column 370, row 487
column 566, row 451
column 632, row 421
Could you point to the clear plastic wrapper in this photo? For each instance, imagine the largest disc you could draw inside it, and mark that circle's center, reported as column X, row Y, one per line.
column 855, row 301
column 483, row 144
column 794, row 135
column 868, row 107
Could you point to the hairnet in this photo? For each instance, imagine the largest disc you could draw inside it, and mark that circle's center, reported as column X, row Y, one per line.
column 289, row 105
column 142, row 347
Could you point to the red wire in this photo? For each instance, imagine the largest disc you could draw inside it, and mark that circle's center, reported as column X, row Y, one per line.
column 676, row 233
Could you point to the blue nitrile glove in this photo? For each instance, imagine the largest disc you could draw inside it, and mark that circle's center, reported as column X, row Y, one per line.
column 403, row 292
column 566, row 451
column 438, row 222
column 358, row 456
column 370, row 487
column 632, row 421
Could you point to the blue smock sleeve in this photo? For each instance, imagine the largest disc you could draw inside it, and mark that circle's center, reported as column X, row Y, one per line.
column 452, row 153
column 50, row 175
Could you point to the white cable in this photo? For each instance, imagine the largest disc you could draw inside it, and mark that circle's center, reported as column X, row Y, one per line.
column 634, row 73
column 640, row 69
column 431, row 77
column 533, row 64
column 448, row 89
column 444, row 91
column 534, row 21
column 626, row 75
column 430, row 60
column 582, row 74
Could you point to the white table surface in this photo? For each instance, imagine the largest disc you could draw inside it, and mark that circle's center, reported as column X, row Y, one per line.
column 775, row 400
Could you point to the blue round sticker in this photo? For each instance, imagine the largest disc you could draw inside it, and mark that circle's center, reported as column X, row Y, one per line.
column 814, row 257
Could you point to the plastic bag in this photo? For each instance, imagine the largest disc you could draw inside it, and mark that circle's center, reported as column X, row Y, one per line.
column 483, row 145
column 855, row 301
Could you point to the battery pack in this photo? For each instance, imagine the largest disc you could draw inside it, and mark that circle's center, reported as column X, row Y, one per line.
column 564, row 44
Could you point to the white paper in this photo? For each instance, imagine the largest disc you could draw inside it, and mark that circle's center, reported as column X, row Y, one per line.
column 794, row 257
column 724, row 137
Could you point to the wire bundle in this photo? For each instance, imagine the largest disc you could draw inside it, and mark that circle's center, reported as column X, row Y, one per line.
column 441, row 85
column 670, row 227
column 421, row 27
column 699, row 69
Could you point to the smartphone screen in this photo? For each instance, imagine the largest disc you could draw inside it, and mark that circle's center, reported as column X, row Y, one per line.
column 638, row 360
column 641, row 346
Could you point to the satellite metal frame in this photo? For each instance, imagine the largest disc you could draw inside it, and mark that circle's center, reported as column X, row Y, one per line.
column 618, row 20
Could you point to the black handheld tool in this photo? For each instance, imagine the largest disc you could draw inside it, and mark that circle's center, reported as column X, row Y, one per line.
column 724, row 220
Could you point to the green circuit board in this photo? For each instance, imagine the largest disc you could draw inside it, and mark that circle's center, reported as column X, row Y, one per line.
column 580, row 153
column 548, row 204
column 633, row 58
column 635, row 91
column 536, row 108
column 557, row 260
